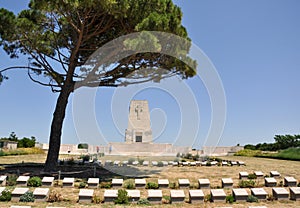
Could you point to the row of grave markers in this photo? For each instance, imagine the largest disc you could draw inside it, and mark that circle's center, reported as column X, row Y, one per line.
column 176, row 196
column 141, row 183
column 166, row 163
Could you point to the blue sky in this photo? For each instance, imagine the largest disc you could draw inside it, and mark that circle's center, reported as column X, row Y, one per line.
column 254, row 46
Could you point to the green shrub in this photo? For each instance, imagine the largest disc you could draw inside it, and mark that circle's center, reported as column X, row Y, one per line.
column 298, row 185
column 34, row 182
column 247, row 184
column 252, row 176
column 229, row 199
column 152, row 185
column 82, row 185
column 208, row 198
column 252, row 198
column 208, row 164
column 105, row 185
column 5, row 195
column 166, row 199
column 85, row 158
column 143, row 202
column 160, row 164
column 27, row 197
column 11, row 180
column 129, row 184
column 173, row 185
column 122, row 198
column 141, row 161
column 130, row 161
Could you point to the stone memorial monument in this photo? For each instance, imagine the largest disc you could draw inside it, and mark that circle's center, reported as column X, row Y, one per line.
column 139, row 127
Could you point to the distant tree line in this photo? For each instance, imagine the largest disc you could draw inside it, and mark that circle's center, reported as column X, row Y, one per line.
column 22, row 143
column 281, row 142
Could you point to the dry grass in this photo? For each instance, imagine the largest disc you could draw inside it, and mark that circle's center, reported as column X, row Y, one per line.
column 286, row 168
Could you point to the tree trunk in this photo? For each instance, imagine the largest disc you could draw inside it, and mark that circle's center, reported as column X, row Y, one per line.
column 56, row 127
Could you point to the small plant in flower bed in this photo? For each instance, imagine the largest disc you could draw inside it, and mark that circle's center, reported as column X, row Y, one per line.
column 5, row 195
column 152, row 185
column 123, row 197
column 34, row 181
column 27, row 197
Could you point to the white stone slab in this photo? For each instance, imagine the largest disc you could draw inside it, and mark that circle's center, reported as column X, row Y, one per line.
column 203, row 183
column 290, row 181
column 214, row 163
column 3, row 180
column 177, row 193
column 125, row 163
column 218, row 195
column 154, row 163
column 240, row 194
column 165, row 163
column 183, row 181
column 185, row 163
column 2, row 189
column 241, row 162
column 196, row 193
column 295, row 193
column 274, row 173
column 243, row 174
column 257, row 207
column 41, row 191
column 280, row 193
column 15, row 206
column 258, row 192
column 134, row 195
column 47, row 181
column 203, row 163
column 140, row 182
column 135, row 163
column 259, row 173
column 224, row 163
column 269, row 182
column 68, row 181
column 227, row 182
column 217, row 192
column 93, row 181
column 234, row 163
column 117, row 182
column 19, row 191
column 86, row 192
column 22, row 180
column 154, row 193
column 117, row 163
column 198, row 163
column 41, row 194
column 193, row 163
column 146, row 163
column 110, row 193
column 163, row 182
column 175, row 163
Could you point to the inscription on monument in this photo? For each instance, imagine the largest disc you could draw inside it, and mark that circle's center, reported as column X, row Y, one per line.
column 139, row 128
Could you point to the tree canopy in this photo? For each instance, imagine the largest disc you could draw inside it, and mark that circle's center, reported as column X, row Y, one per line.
column 59, row 36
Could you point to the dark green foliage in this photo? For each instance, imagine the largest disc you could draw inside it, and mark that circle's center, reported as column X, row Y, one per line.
column 27, row 197
column 105, row 185
column 140, row 161
column 123, row 197
column 82, row 185
column 229, row 199
column 143, row 202
column 166, row 199
column 208, row 164
column 85, row 158
column 11, row 180
column 252, row 176
column 247, row 184
column 130, row 161
column 26, row 142
column 34, row 181
column 281, row 142
column 252, row 198
column 83, row 146
column 208, row 198
column 152, row 185
column 160, row 164
column 173, row 185
column 5, row 195
column 129, row 184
